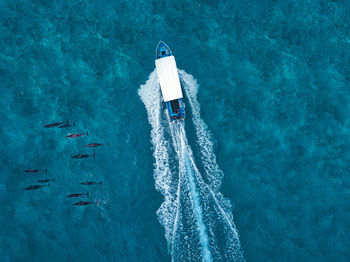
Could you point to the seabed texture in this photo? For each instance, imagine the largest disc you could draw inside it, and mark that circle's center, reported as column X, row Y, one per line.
column 272, row 84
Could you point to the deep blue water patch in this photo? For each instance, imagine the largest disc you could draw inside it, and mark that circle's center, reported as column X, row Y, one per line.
column 274, row 90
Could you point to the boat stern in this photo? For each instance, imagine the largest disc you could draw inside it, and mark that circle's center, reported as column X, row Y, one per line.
column 176, row 109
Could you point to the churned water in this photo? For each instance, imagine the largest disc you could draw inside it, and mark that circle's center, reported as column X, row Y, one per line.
column 259, row 171
column 197, row 219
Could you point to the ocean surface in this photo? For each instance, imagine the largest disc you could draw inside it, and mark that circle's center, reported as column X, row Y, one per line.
column 259, row 171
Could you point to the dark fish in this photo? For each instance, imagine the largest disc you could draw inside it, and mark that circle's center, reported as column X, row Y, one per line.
column 77, row 135
column 93, row 145
column 66, row 125
column 83, row 156
column 91, row 183
column 35, row 187
column 53, row 125
column 78, row 195
column 45, row 180
column 34, row 171
column 82, row 203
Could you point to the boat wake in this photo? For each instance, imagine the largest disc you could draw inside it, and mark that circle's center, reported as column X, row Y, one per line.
column 197, row 219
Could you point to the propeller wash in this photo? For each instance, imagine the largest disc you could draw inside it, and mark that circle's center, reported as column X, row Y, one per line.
column 197, row 219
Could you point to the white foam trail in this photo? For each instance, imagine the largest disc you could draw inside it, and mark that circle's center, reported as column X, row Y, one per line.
column 170, row 207
column 197, row 219
column 233, row 245
column 198, row 210
column 213, row 172
column 187, row 169
column 150, row 96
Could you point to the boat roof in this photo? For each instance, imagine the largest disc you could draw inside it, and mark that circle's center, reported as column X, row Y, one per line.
column 168, row 78
column 163, row 50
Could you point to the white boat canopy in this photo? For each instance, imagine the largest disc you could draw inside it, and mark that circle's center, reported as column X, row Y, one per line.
column 168, row 78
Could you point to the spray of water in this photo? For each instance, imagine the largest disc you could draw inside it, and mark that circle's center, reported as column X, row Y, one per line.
column 187, row 171
column 162, row 174
column 204, row 137
column 197, row 219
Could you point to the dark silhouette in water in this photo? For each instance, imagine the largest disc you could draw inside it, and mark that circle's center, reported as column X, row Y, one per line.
column 35, row 187
column 66, row 125
column 77, row 135
column 53, row 125
column 34, row 170
column 91, row 183
column 94, row 145
column 45, row 180
column 78, row 195
column 83, row 156
column 82, row 203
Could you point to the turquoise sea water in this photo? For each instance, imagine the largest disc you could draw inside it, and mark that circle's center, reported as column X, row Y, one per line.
column 273, row 91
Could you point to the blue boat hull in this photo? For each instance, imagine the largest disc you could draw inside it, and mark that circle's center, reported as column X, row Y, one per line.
column 163, row 50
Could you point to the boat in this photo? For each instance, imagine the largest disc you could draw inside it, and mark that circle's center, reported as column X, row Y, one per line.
column 169, row 82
